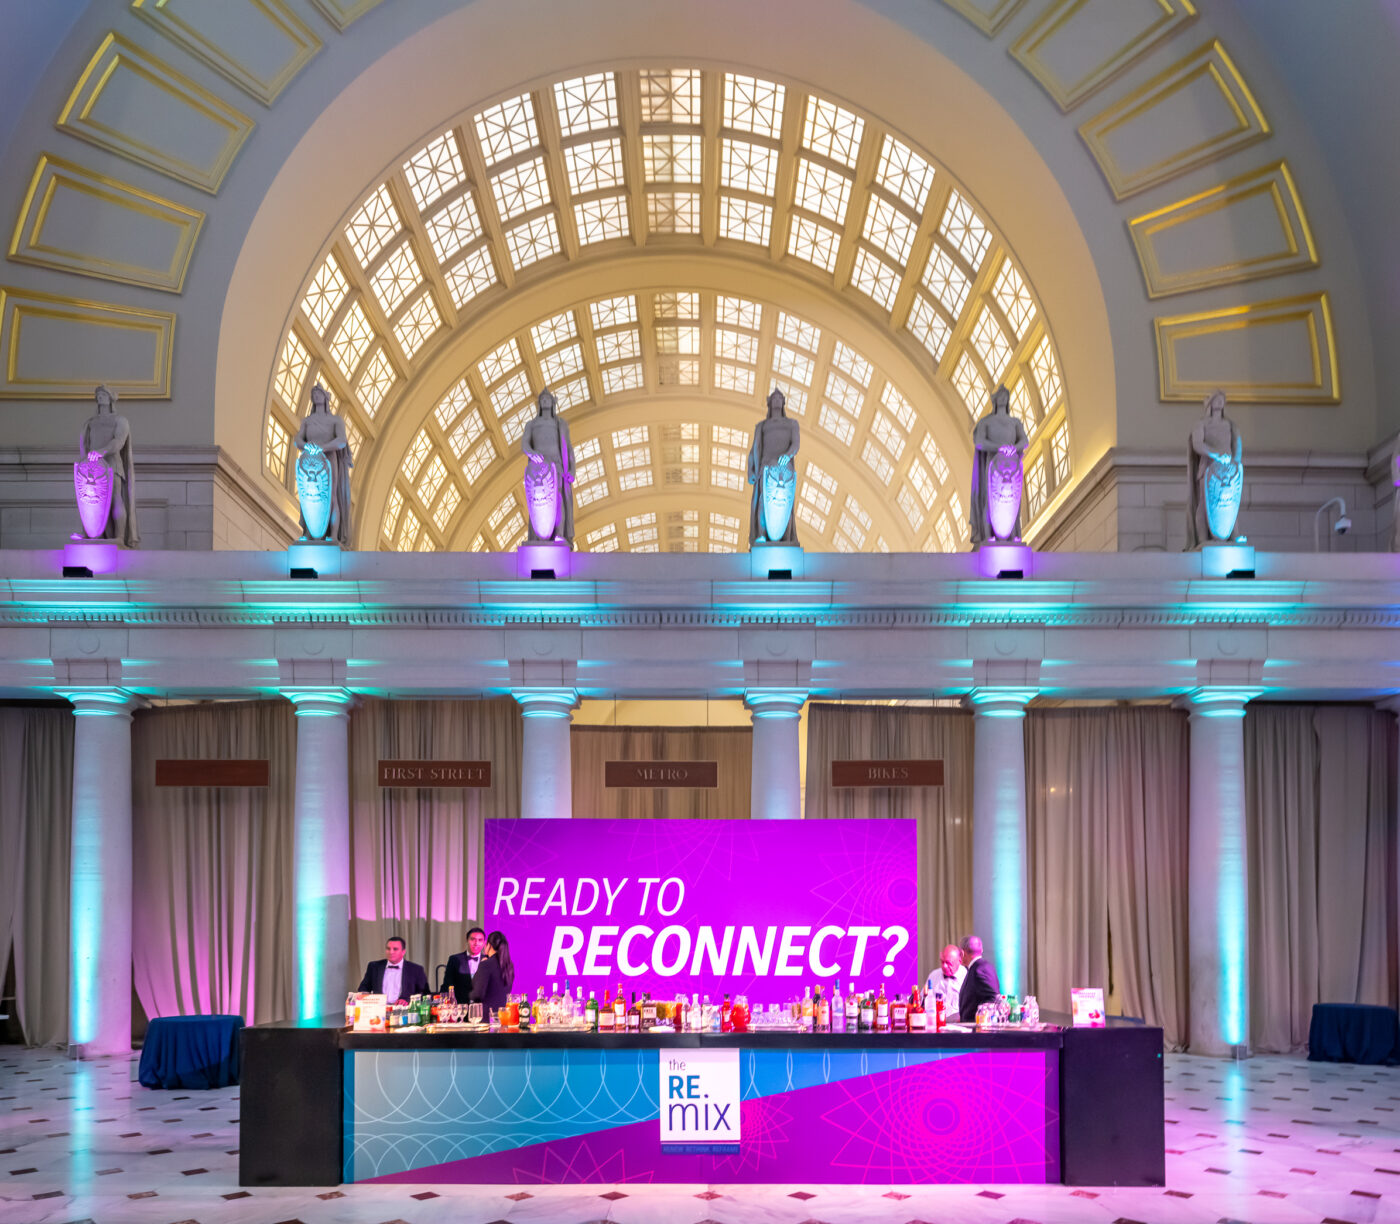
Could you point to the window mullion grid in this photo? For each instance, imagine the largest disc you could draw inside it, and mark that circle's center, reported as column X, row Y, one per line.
column 919, row 251
column 552, row 146
column 480, row 177
column 862, row 175
column 588, row 345
column 433, row 276
column 785, row 181
column 979, row 291
column 629, row 118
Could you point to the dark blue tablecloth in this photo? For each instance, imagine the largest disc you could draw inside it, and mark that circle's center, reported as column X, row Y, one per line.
column 1354, row 1032
column 191, row 1052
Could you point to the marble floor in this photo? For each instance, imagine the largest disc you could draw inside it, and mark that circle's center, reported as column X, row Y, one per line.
column 1276, row 1139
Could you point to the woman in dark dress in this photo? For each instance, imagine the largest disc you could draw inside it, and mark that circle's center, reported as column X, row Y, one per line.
column 495, row 975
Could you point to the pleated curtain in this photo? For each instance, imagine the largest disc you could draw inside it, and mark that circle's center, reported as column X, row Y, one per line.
column 1322, row 897
column 1107, row 806
column 731, row 748
column 416, row 865
column 212, row 925
column 944, row 813
column 36, row 787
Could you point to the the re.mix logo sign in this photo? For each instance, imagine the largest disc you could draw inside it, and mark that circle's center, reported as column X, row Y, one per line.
column 699, row 1097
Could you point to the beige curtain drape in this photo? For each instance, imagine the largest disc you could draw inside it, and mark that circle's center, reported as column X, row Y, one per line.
column 944, row 814
column 36, row 788
column 730, row 747
column 416, row 865
column 1107, row 807
column 212, row 923
column 1321, row 838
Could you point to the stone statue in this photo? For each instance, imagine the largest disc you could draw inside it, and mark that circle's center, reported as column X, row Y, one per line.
column 104, row 478
column 549, row 474
column 1215, row 467
column 323, row 472
column 999, row 441
column 774, row 475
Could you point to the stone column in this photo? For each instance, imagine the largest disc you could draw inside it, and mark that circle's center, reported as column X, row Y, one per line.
column 321, row 854
column 999, row 867
column 1218, row 874
column 775, row 792
column 546, row 764
column 99, row 991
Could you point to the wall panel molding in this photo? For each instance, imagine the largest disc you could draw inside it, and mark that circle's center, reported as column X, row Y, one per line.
column 259, row 45
column 989, row 16
column 1249, row 227
column 75, row 220
column 1076, row 47
column 61, row 348
column 343, row 13
column 1276, row 352
column 1199, row 109
column 134, row 104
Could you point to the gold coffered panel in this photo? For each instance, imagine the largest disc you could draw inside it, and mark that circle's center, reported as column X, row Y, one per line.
column 76, row 221
column 1240, row 230
column 1278, row 352
column 259, row 45
column 60, row 347
column 134, row 104
column 987, row 15
column 1076, row 47
column 341, row 13
column 1197, row 110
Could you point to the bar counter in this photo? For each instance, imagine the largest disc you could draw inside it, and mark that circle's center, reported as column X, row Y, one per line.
column 322, row 1106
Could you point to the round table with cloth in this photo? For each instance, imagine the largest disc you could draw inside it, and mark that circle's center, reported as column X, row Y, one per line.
column 1354, row 1032
column 191, row 1052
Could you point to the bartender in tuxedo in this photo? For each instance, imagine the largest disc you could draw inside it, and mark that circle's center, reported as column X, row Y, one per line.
column 398, row 980
column 462, row 966
column 980, row 985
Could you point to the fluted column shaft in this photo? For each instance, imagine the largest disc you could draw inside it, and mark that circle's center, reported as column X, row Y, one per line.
column 775, row 791
column 546, row 763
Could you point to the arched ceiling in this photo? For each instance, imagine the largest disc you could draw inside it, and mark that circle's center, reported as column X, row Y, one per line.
column 790, row 191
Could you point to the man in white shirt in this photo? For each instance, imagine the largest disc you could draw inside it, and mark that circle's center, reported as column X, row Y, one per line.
column 948, row 977
column 397, row 979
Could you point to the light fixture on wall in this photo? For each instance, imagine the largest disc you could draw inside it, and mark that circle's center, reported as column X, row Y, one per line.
column 1340, row 527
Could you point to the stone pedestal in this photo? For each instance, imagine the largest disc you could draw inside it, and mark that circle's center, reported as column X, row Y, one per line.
column 775, row 560
column 544, row 559
column 775, row 792
column 321, row 854
column 1218, row 874
column 322, row 557
column 546, row 764
column 1004, row 559
column 97, row 556
column 1220, row 559
column 99, row 925
column 999, row 854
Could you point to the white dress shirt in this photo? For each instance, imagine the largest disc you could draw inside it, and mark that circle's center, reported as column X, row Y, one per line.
column 951, row 988
column 393, row 982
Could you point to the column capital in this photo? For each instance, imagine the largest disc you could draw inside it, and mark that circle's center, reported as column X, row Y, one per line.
column 1000, row 702
column 100, row 702
column 320, row 702
column 775, row 702
column 546, row 702
column 1217, row 701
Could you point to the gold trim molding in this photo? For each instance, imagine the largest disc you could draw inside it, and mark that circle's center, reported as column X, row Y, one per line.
column 24, row 375
column 54, row 176
column 344, row 13
column 117, row 58
column 177, row 21
column 1311, row 313
column 1162, row 19
column 1295, row 250
column 988, row 17
column 1208, row 63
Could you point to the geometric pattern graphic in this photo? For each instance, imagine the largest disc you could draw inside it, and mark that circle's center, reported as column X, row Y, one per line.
column 863, row 1116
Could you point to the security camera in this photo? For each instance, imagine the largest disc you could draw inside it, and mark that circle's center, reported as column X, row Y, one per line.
column 1342, row 525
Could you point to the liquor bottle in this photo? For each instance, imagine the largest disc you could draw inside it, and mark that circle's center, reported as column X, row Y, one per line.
column 607, row 1021
column 678, row 1013
column 619, row 1011
column 527, row 1018
column 590, row 1011
column 852, row 1010
column 634, row 1015
column 648, row 1013
column 918, row 1018
column 939, row 1015
column 805, row 1018
column 837, row 1009
column 899, row 1015
column 580, row 1012
column 882, row 1011
column 821, row 1013
column 726, row 1022
column 695, row 1022
column 867, row 1013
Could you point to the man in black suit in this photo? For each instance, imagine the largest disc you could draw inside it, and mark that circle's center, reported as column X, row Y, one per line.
column 398, row 980
column 462, row 966
column 980, row 985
